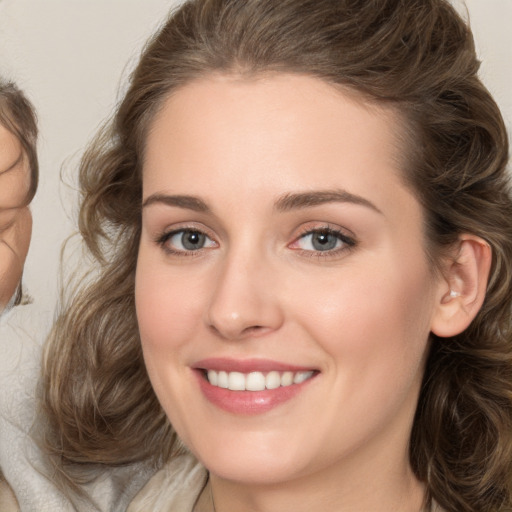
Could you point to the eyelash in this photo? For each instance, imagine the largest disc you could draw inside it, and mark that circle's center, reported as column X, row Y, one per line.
column 163, row 240
column 348, row 243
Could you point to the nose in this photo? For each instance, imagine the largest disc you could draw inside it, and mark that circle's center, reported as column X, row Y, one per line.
column 245, row 300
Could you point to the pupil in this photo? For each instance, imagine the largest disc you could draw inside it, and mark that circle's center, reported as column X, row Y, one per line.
column 324, row 241
column 193, row 240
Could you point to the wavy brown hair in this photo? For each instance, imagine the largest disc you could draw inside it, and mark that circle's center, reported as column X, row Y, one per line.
column 418, row 58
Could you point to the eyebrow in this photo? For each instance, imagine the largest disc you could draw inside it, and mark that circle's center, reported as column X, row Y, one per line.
column 188, row 202
column 316, row 198
column 285, row 203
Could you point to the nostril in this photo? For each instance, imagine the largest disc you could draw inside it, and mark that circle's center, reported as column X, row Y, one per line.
column 253, row 328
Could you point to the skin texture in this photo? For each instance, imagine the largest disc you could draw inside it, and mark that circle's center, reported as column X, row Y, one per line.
column 359, row 315
column 15, row 216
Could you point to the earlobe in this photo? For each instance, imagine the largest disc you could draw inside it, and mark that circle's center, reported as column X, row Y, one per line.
column 462, row 291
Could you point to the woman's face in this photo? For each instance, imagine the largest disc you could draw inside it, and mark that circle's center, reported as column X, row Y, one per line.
column 282, row 256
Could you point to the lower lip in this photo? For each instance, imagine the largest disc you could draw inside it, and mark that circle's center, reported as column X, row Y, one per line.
column 248, row 402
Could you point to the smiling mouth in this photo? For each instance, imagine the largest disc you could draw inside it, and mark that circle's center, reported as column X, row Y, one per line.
column 256, row 381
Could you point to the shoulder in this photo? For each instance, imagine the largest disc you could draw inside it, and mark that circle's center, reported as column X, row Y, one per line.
column 22, row 333
column 175, row 487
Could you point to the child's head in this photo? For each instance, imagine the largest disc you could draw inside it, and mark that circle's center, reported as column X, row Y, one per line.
column 18, row 119
column 18, row 184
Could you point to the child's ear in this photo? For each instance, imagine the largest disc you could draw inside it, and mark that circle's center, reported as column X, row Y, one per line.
column 462, row 291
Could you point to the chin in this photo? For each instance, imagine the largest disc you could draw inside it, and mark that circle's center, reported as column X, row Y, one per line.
column 260, row 458
column 253, row 469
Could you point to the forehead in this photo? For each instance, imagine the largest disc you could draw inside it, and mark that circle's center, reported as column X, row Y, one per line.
column 269, row 133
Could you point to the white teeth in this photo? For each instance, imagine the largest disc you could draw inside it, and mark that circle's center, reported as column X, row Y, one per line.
column 301, row 377
column 272, row 380
column 222, row 380
column 213, row 377
column 256, row 381
column 236, row 381
column 287, row 379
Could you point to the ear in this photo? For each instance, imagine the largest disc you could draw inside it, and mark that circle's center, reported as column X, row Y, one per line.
column 462, row 291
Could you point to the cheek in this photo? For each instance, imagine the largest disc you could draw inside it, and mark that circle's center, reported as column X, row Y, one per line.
column 169, row 301
column 371, row 318
column 168, row 310
column 373, row 327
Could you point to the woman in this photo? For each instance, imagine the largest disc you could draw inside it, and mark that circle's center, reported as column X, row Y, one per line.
column 303, row 228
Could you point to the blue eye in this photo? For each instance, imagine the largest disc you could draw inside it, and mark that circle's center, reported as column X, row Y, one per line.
column 323, row 240
column 186, row 240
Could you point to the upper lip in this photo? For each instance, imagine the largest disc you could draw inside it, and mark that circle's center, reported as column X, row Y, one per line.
column 247, row 365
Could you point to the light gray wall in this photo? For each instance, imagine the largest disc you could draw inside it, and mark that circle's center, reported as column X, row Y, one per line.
column 70, row 55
